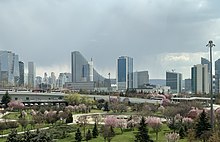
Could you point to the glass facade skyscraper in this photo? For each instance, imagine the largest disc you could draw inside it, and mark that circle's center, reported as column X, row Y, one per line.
column 174, row 80
column 9, row 68
column 124, row 73
column 83, row 71
column 217, row 76
column 21, row 76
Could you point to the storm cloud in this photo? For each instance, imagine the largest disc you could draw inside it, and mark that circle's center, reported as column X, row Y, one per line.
column 159, row 34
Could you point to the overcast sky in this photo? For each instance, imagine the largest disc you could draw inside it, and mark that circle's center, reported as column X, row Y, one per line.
column 160, row 35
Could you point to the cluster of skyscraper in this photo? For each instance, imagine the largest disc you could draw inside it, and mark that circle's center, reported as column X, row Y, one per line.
column 200, row 79
column 84, row 76
column 12, row 71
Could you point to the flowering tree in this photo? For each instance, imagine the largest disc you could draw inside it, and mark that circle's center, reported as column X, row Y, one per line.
column 63, row 115
column 172, row 137
column 165, row 102
column 122, row 124
column 16, row 105
column 193, row 113
column 111, row 121
column 187, row 122
column 83, row 121
column 155, row 123
column 51, row 117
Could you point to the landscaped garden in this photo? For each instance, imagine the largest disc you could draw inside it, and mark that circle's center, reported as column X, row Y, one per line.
column 116, row 120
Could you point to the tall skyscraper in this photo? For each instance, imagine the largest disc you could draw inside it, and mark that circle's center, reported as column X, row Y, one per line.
column 206, row 61
column 80, row 68
column 31, row 75
column 21, row 71
column 140, row 78
column 217, row 76
column 84, row 76
column 53, row 80
column 174, row 80
column 200, row 79
column 9, row 65
column 124, row 73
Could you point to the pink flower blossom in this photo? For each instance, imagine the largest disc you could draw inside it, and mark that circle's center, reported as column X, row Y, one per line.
column 111, row 121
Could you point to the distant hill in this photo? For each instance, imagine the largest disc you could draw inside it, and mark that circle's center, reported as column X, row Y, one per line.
column 161, row 82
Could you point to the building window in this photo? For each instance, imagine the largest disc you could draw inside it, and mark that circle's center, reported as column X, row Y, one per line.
column 16, row 98
column 27, row 98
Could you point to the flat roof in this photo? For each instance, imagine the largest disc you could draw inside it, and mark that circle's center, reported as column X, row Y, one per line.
column 191, row 98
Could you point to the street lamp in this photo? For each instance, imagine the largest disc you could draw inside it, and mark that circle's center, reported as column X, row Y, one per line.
column 109, row 89
column 210, row 45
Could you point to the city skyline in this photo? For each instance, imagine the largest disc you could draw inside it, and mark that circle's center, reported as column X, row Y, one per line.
column 159, row 36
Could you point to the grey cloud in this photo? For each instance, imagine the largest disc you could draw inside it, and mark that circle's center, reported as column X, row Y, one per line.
column 46, row 31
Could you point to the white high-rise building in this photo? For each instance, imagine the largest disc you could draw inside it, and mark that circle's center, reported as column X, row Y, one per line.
column 31, row 75
column 9, row 68
column 200, row 79
column 53, row 80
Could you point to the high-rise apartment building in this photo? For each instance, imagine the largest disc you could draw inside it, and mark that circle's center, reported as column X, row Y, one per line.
column 124, row 73
column 31, row 75
column 217, row 76
column 174, row 80
column 9, row 68
column 200, row 79
column 21, row 71
column 140, row 78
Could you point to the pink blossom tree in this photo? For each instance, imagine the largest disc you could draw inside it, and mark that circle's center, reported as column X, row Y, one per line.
column 188, row 122
column 122, row 124
column 172, row 137
column 111, row 121
column 155, row 123
column 16, row 105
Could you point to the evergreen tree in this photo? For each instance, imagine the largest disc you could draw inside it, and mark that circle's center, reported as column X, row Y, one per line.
column 203, row 125
column 142, row 135
column 6, row 99
column 181, row 132
column 28, row 136
column 78, row 136
column 13, row 136
column 95, row 132
column 88, row 135
column 106, row 107
column 69, row 118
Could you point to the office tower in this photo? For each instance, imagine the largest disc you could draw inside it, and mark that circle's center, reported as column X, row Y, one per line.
column 188, row 85
column 80, row 68
column 140, row 78
column 31, row 75
column 9, row 65
column 52, row 80
column 200, row 79
column 174, row 80
column 217, row 76
column 84, row 76
column 124, row 73
column 206, row 61
column 21, row 71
